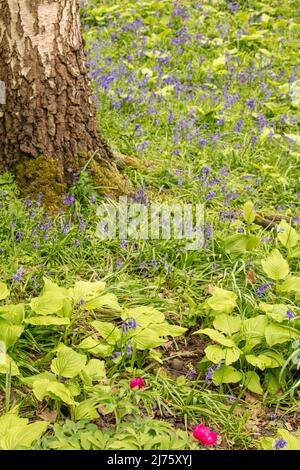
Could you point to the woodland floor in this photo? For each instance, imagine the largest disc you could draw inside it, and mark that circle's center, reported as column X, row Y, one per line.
column 206, row 93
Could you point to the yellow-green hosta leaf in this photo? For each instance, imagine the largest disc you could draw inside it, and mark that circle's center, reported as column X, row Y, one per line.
column 156, row 355
column 287, row 235
column 35, row 378
column 214, row 353
column 252, row 382
column 47, row 304
column 102, row 302
column 108, row 331
column 276, row 311
column 147, row 339
column 12, row 313
column 96, row 347
column 4, row 292
column 39, row 388
column 226, row 374
column 292, row 442
column 95, row 370
column 275, row 266
column 16, row 433
column 9, row 421
column 73, row 387
column 240, row 243
column 291, row 284
column 228, row 324
column 68, row 363
column 249, row 212
column 253, row 331
column 164, row 329
column 295, row 252
column 9, row 334
column 217, row 337
column 8, row 365
column 231, row 355
column 143, row 316
column 59, row 391
column 87, row 409
column 277, row 334
column 85, row 290
column 55, row 390
column 222, row 301
column 47, row 320
column 261, row 361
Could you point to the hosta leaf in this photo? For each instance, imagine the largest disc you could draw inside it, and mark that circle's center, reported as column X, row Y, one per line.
column 103, row 302
column 55, row 390
column 164, row 329
column 147, row 339
column 277, row 334
column 249, row 212
column 276, row 311
column 231, row 355
column 35, row 378
column 68, row 363
column 291, row 284
column 252, row 382
column 4, row 292
column 47, row 320
column 47, row 304
column 8, row 365
column 216, row 336
column 261, row 361
column 292, row 442
column 14, row 314
column 287, row 235
column 108, row 331
column 295, row 253
column 18, row 433
column 96, row 347
column 144, row 316
column 87, row 409
column 253, row 331
column 226, row 374
column 214, row 353
column 95, row 370
column 222, row 301
column 240, row 243
column 84, row 290
column 9, row 421
column 275, row 266
column 228, row 324
column 9, row 334
column 59, row 391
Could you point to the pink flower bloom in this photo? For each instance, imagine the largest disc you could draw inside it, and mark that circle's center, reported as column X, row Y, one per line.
column 138, row 382
column 205, row 435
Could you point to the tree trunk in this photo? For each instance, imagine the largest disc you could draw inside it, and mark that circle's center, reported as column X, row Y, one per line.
column 48, row 112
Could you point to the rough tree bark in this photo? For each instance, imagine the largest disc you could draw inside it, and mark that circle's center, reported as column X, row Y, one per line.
column 48, row 117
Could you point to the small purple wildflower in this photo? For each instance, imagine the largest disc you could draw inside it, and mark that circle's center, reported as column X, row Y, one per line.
column 68, row 199
column 192, row 374
column 280, row 443
column 290, row 315
column 18, row 276
column 208, row 375
column 262, row 289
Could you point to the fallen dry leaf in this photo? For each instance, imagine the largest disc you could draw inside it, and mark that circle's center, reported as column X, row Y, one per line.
column 251, row 276
column 47, row 415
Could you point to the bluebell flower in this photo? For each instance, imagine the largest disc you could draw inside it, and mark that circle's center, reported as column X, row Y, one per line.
column 280, row 443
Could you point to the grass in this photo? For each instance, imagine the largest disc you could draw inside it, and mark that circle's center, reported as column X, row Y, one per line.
column 205, row 97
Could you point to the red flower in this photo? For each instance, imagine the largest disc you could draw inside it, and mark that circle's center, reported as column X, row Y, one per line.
column 138, row 382
column 205, row 435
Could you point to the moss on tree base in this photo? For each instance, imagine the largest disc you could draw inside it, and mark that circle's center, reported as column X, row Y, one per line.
column 45, row 176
